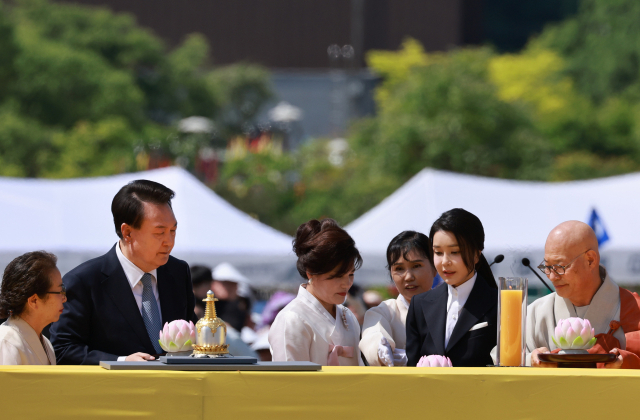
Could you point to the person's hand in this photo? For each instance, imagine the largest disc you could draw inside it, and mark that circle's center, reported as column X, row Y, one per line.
column 139, row 357
column 385, row 354
column 617, row 364
column 400, row 357
column 535, row 361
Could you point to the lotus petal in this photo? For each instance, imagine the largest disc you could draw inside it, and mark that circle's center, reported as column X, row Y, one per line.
column 187, row 345
column 564, row 325
column 559, row 331
column 585, row 334
column 577, row 343
column 591, row 343
column 163, row 346
column 576, row 324
column 571, row 335
column 179, row 339
column 564, row 344
column 555, row 342
column 173, row 329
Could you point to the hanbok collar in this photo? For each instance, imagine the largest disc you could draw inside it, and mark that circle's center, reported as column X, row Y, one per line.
column 603, row 307
column 30, row 337
column 403, row 307
column 402, row 302
column 315, row 303
column 339, row 324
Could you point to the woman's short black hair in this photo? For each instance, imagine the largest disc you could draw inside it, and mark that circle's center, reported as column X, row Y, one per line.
column 469, row 233
column 25, row 276
column 127, row 206
column 408, row 241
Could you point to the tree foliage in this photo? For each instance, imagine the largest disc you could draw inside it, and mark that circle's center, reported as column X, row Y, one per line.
column 82, row 90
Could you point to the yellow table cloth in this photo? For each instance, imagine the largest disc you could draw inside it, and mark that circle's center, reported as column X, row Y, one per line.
column 91, row 392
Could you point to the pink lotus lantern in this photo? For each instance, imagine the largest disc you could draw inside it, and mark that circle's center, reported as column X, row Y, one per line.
column 434, row 360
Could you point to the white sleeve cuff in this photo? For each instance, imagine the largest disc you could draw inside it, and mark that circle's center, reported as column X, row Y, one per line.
column 122, row 359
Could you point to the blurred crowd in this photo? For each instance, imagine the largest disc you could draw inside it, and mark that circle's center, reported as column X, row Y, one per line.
column 249, row 319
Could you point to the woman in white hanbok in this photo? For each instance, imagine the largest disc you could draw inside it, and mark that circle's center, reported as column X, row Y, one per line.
column 384, row 336
column 315, row 326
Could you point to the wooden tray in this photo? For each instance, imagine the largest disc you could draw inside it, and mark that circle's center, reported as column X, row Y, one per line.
column 577, row 360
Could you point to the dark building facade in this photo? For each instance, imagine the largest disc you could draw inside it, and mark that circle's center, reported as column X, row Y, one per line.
column 297, row 33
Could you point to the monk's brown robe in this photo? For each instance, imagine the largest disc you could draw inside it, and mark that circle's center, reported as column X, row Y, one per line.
column 630, row 324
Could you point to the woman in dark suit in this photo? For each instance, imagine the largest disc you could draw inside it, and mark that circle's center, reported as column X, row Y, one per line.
column 457, row 319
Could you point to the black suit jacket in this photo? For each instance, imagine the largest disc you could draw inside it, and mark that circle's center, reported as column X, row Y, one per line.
column 101, row 319
column 427, row 319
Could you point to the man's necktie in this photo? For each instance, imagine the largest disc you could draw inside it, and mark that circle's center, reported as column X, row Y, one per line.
column 150, row 313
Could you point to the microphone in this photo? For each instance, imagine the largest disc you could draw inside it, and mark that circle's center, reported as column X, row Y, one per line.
column 497, row 260
column 527, row 263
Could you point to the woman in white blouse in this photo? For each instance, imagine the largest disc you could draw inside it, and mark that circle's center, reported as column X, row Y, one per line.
column 384, row 336
column 32, row 296
column 315, row 326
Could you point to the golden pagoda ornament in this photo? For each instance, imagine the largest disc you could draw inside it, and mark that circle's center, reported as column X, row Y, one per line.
column 211, row 332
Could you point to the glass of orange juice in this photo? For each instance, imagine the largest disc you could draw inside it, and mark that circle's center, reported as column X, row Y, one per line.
column 512, row 318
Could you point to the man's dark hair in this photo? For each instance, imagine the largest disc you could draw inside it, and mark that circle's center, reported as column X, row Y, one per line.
column 200, row 274
column 127, row 206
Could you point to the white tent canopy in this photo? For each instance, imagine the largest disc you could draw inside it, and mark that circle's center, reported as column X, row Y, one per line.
column 517, row 217
column 72, row 218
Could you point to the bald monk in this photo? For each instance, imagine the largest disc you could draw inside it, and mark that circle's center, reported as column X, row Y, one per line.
column 584, row 291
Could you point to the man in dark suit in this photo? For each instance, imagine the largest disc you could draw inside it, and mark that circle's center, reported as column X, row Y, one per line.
column 117, row 303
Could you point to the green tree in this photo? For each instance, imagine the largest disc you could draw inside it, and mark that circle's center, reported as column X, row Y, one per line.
column 243, row 90
column 8, row 52
column 94, row 88
column 602, row 47
column 447, row 115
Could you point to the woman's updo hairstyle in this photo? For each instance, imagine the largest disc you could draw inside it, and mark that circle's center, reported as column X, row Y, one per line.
column 408, row 241
column 322, row 246
column 469, row 233
column 25, row 276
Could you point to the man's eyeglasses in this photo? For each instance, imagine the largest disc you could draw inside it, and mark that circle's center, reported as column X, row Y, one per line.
column 63, row 292
column 558, row 269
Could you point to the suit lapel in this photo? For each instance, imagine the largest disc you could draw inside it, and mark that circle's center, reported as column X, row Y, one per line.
column 479, row 302
column 117, row 287
column 167, row 290
column 435, row 313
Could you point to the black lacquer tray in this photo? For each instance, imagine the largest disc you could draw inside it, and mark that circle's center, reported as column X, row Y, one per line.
column 577, row 360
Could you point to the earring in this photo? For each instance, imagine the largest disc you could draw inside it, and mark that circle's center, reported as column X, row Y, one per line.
column 310, row 280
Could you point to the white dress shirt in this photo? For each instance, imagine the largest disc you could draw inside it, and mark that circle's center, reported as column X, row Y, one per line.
column 134, row 275
column 455, row 302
